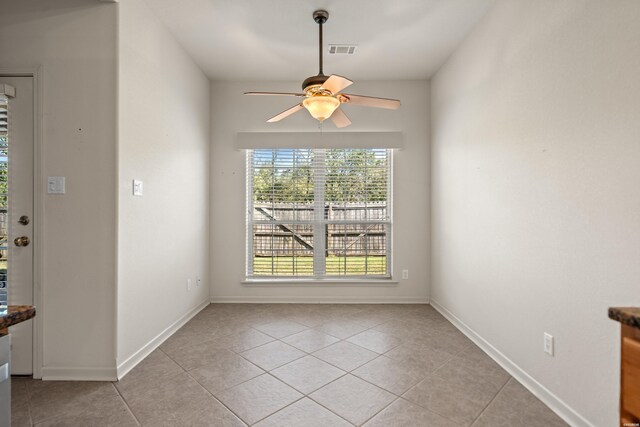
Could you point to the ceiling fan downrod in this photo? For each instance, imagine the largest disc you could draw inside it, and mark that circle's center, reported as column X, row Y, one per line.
column 320, row 16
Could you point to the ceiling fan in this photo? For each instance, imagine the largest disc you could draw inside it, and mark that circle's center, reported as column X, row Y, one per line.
column 323, row 95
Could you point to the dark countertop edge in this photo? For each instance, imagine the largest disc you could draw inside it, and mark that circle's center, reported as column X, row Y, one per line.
column 629, row 316
column 17, row 314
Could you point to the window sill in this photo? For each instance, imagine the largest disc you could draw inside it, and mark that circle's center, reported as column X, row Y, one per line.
column 321, row 282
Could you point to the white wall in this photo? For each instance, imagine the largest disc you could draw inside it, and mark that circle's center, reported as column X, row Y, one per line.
column 233, row 112
column 74, row 43
column 536, row 202
column 163, row 141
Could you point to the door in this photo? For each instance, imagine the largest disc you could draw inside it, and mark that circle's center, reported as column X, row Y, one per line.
column 16, row 213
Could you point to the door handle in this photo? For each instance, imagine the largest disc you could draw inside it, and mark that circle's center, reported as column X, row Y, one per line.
column 22, row 241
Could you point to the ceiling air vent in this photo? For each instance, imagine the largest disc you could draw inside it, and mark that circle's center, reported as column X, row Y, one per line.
column 342, row 49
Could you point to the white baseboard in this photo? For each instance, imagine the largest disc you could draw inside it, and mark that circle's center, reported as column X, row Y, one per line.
column 563, row 410
column 138, row 356
column 53, row 373
column 319, row 300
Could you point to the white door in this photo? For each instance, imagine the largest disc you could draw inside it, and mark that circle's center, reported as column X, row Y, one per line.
column 16, row 214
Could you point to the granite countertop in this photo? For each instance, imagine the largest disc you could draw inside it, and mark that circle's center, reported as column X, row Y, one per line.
column 16, row 314
column 628, row 315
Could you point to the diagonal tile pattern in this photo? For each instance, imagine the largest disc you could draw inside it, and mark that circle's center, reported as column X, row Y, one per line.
column 310, row 340
column 304, row 412
column 345, row 355
column 307, row 374
column 297, row 365
column 272, row 355
column 258, row 398
column 353, row 399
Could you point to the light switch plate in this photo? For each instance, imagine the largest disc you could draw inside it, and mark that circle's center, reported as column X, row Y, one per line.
column 137, row 187
column 548, row 344
column 56, row 185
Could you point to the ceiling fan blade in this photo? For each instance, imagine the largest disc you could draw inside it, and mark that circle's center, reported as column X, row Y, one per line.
column 370, row 101
column 336, row 83
column 340, row 119
column 286, row 113
column 275, row 93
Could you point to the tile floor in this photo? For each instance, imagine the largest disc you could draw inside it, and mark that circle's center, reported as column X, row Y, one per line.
column 298, row 366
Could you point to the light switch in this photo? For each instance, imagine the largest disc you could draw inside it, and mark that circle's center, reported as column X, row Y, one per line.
column 55, row 185
column 137, row 187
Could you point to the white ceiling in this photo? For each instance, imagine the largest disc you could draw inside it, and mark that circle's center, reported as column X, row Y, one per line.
column 278, row 39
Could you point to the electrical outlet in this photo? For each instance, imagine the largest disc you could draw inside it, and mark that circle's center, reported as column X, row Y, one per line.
column 405, row 274
column 198, row 281
column 188, row 284
column 548, row 344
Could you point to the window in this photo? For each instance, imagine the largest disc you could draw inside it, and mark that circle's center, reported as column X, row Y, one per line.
column 319, row 213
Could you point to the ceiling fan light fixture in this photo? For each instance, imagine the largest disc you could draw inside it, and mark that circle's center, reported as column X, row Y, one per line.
column 321, row 107
column 323, row 95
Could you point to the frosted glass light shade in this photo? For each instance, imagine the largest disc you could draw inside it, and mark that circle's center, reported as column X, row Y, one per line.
column 321, row 106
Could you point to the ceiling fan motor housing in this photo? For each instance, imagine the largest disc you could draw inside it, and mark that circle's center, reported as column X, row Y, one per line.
column 314, row 81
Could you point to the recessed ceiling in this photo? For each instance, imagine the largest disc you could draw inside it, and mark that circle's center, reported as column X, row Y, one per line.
column 278, row 39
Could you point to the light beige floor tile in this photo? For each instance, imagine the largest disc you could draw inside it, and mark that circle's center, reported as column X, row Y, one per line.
column 515, row 406
column 474, row 357
column 345, row 355
column 19, row 388
column 180, row 402
column 449, row 343
column 304, row 413
column 308, row 317
column 108, row 412
column 310, row 340
column 447, row 399
column 156, row 368
column 280, row 329
column 51, row 399
column 258, row 398
column 479, row 383
column 272, row 355
column 184, row 338
column 444, row 327
column 200, row 354
column 392, row 375
column 400, row 329
column 225, row 373
column 375, row 341
column 404, row 414
column 428, row 359
column 307, row 374
column 20, row 414
column 352, row 398
column 245, row 340
column 463, row 383
column 368, row 318
column 342, row 329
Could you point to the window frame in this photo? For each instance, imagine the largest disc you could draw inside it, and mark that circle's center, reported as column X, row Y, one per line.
column 319, row 222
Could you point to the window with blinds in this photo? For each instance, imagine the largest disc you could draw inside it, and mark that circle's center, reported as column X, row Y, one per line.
column 319, row 213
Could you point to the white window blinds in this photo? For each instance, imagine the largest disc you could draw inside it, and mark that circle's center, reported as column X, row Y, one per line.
column 318, row 213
